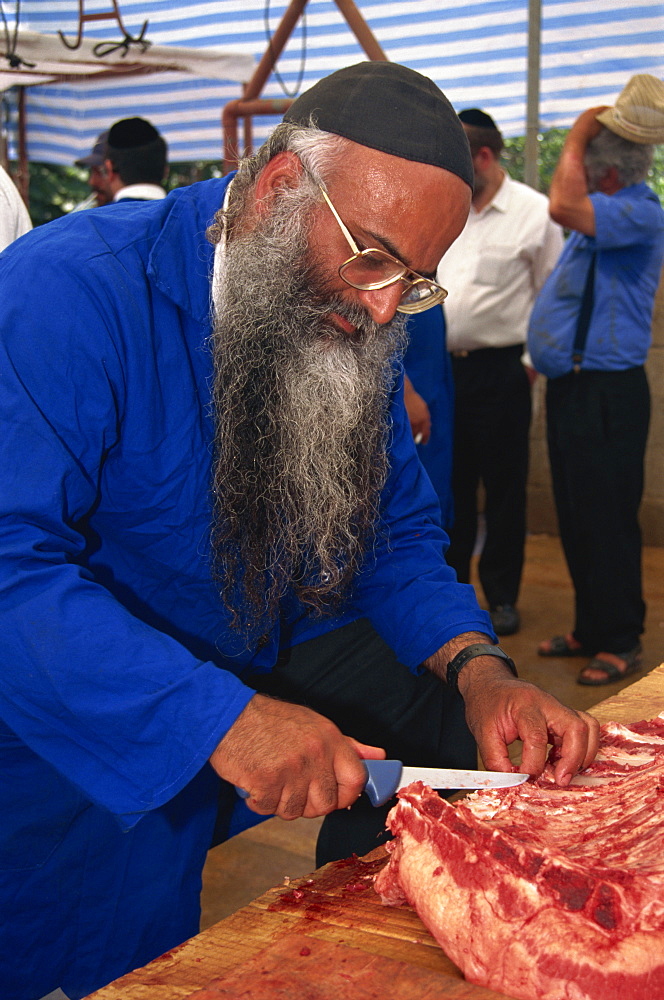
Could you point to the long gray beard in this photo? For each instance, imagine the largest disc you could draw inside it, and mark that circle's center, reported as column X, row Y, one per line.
column 301, row 429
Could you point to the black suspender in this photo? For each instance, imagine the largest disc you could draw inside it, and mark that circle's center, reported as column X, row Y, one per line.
column 585, row 313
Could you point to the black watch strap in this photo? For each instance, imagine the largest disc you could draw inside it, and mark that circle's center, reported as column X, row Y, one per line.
column 456, row 665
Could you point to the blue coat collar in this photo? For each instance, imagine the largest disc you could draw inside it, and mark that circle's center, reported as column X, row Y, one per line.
column 180, row 262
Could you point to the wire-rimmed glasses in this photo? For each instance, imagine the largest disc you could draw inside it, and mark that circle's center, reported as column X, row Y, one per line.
column 374, row 268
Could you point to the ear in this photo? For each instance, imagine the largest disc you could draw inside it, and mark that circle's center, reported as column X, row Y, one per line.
column 485, row 157
column 610, row 182
column 283, row 171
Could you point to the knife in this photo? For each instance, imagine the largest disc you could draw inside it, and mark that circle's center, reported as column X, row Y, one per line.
column 386, row 777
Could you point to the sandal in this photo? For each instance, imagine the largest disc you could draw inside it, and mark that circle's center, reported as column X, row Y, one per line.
column 614, row 666
column 562, row 645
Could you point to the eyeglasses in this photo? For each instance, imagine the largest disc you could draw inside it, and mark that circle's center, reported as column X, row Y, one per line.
column 373, row 268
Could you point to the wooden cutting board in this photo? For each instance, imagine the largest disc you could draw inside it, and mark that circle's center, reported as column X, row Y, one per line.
column 642, row 700
column 300, row 967
column 336, row 907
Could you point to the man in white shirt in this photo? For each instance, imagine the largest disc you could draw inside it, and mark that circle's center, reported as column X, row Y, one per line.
column 128, row 161
column 14, row 218
column 493, row 272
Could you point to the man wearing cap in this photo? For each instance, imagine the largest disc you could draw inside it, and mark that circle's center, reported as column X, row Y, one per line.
column 127, row 161
column 494, row 271
column 589, row 334
column 229, row 562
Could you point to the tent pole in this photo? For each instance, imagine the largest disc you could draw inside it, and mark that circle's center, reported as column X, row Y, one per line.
column 531, row 171
column 361, row 30
column 274, row 49
column 23, row 179
column 243, row 109
column 250, row 103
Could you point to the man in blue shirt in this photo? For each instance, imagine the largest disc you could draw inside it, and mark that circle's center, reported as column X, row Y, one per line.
column 219, row 555
column 590, row 333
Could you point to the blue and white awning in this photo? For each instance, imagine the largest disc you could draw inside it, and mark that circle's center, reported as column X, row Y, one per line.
column 477, row 53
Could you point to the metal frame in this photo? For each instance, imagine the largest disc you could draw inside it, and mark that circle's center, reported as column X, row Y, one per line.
column 252, row 103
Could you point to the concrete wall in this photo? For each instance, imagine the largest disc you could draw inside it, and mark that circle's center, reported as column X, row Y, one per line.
column 541, row 511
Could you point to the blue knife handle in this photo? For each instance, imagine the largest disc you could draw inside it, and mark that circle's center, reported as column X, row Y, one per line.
column 381, row 784
column 382, row 779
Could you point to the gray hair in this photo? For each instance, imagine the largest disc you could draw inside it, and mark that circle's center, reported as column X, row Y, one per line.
column 632, row 160
column 318, row 151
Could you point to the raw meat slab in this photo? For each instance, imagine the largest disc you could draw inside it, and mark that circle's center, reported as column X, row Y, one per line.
column 542, row 892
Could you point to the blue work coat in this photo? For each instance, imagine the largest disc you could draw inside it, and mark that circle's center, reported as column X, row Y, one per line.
column 119, row 674
column 428, row 366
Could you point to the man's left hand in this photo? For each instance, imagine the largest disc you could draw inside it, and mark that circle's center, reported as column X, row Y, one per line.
column 501, row 709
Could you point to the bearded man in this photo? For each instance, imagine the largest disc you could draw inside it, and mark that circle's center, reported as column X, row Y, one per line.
column 200, row 513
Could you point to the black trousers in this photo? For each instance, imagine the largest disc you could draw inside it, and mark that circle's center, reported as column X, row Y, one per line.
column 491, row 440
column 597, row 427
column 351, row 676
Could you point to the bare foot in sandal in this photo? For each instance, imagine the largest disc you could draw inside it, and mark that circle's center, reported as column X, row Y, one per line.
column 606, row 668
column 561, row 645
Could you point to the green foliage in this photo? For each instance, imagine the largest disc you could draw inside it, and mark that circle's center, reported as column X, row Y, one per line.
column 656, row 175
column 54, row 190
column 181, row 174
column 549, row 149
column 550, row 146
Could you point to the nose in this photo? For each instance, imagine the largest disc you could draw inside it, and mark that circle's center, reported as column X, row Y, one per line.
column 381, row 303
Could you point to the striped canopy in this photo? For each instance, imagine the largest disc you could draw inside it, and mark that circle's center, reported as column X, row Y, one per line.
column 477, row 53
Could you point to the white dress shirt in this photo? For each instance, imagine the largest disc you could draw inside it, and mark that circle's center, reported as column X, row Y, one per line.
column 14, row 217
column 496, row 267
column 142, row 192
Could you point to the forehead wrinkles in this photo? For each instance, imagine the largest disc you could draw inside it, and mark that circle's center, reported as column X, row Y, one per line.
column 414, row 210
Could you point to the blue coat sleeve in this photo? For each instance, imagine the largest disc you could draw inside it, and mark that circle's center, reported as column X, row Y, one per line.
column 409, row 593
column 122, row 710
column 427, row 363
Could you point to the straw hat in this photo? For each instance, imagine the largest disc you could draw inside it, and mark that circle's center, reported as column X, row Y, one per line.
column 638, row 114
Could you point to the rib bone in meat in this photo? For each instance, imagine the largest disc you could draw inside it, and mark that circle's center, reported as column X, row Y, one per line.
column 543, row 892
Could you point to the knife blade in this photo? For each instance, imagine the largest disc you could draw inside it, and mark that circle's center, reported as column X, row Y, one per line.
column 386, row 777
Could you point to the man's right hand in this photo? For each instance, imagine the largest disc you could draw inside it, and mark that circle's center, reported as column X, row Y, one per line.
column 586, row 126
column 292, row 761
column 569, row 201
column 418, row 413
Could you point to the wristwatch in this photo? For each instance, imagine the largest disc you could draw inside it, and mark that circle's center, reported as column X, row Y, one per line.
column 457, row 663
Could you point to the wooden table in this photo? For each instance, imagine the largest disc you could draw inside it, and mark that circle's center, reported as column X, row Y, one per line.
column 338, row 912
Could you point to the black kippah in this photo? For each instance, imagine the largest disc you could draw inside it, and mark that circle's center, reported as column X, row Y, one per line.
column 473, row 116
column 390, row 108
column 131, row 132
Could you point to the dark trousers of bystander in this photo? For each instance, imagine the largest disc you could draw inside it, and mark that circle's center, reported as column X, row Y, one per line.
column 491, row 435
column 353, row 677
column 597, row 427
